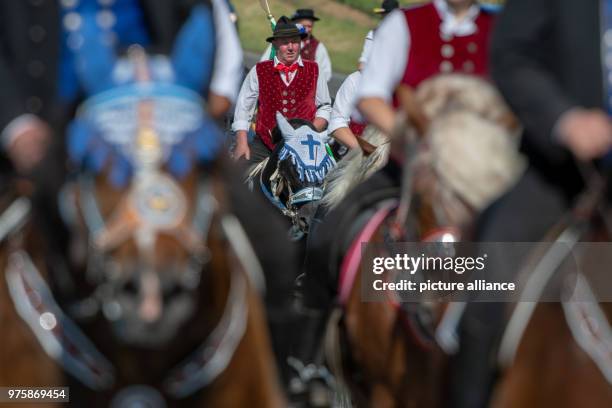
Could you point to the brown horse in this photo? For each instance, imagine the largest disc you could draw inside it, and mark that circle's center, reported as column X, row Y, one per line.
column 395, row 354
column 226, row 310
column 560, row 354
column 158, row 303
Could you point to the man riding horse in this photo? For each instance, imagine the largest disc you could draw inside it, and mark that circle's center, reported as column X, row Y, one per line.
column 562, row 97
column 288, row 84
column 410, row 46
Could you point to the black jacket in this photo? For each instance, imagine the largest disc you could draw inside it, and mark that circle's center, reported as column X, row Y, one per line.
column 546, row 59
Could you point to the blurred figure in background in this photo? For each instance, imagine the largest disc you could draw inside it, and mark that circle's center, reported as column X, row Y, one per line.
column 386, row 7
column 311, row 48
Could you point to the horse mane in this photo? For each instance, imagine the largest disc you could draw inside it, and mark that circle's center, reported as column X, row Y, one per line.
column 355, row 167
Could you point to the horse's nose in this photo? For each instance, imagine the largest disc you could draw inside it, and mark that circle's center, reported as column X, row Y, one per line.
column 306, row 213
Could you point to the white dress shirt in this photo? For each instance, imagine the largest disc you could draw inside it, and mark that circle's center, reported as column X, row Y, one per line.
column 392, row 45
column 321, row 58
column 344, row 105
column 249, row 94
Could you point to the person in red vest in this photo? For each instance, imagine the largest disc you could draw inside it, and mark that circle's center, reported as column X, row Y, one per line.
column 287, row 84
column 312, row 48
column 412, row 45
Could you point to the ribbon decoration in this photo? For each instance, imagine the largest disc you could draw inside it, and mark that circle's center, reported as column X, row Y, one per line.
column 266, row 8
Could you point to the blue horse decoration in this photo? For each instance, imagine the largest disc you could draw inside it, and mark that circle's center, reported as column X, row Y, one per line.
column 293, row 177
column 103, row 135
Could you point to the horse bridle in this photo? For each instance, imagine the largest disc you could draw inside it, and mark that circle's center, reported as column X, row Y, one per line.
column 304, row 195
column 64, row 341
column 95, row 225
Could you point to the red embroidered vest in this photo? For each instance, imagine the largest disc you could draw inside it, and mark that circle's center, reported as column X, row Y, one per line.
column 294, row 101
column 431, row 53
column 309, row 51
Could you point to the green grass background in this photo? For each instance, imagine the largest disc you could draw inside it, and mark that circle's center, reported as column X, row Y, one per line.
column 343, row 26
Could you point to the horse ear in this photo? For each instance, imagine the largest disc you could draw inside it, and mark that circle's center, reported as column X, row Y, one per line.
column 286, row 129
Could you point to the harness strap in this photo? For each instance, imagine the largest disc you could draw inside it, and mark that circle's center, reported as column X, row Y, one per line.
column 61, row 338
column 14, row 216
column 352, row 259
column 589, row 326
column 65, row 343
column 91, row 212
column 244, row 250
column 306, row 195
column 542, row 273
column 204, row 365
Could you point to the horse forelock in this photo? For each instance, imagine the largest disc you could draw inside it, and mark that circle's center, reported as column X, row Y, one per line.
column 454, row 92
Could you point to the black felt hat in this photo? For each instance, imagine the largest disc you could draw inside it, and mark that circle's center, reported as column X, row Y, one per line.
column 286, row 29
column 304, row 14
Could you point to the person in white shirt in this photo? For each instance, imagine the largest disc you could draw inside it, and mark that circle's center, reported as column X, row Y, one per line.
column 287, row 84
column 346, row 122
column 414, row 44
column 386, row 7
column 344, row 115
column 399, row 54
column 311, row 48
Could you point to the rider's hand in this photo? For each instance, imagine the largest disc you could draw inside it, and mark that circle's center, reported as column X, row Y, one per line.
column 587, row 133
column 29, row 145
column 242, row 146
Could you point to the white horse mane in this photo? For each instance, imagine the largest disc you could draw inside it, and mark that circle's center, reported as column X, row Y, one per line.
column 355, row 167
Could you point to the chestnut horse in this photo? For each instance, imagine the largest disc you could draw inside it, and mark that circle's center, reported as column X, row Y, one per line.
column 394, row 354
column 560, row 354
column 158, row 303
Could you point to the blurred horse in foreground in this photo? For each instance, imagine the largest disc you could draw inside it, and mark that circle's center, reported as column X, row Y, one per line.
column 158, row 303
column 560, row 353
column 460, row 155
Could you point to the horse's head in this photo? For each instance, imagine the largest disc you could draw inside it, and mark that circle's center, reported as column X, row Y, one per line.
column 293, row 177
column 142, row 208
column 464, row 140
